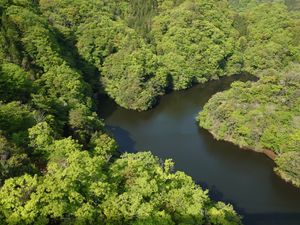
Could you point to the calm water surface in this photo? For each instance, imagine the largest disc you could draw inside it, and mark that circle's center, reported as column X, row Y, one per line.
column 240, row 177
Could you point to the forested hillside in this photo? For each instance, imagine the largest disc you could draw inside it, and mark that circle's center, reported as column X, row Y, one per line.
column 143, row 48
column 264, row 115
column 58, row 165
column 136, row 50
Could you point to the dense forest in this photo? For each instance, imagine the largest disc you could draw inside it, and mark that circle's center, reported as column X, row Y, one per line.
column 264, row 115
column 261, row 115
column 59, row 165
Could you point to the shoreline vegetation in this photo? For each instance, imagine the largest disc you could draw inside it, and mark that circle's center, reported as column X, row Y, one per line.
column 264, row 115
column 267, row 123
column 57, row 163
column 267, row 152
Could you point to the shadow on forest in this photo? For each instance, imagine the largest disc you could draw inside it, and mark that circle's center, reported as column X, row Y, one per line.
column 105, row 106
column 90, row 73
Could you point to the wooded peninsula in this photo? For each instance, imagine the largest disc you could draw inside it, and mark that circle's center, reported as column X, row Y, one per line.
column 58, row 162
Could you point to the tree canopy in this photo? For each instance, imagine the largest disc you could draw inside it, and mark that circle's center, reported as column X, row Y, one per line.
column 58, row 164
column 261, row 115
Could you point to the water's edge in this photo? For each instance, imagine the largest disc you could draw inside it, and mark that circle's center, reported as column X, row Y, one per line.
column 267, row 152
column 242, row 178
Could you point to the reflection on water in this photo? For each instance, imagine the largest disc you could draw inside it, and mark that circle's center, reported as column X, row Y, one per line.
column 243, row 178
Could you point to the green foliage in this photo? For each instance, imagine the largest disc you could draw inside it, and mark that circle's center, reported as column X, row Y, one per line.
column 41, row 136
column 129, row 77
column 35, row 37
column 14, row 207
column 261, row 115
column 57, row 164
column 99, row 37
column 130, row 71
column 175, row 43
column 67, row 15
column 134, row 190
column 84, row 122
column 102, row 145
column 222, row 214
column 288, row 167
column 194, row 40
column 14, row 161
column 47, row 175
column 161, row 200
column 293, row 4
column 270, row 38
column 14, row 83
column 15, row 119
column 140, row 14
column 61, row 87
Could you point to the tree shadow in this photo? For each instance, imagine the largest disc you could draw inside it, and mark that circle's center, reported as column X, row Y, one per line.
column 105, row 106
column 90, row 73
column 123, row 138
column 217, row 195
column 214, row 193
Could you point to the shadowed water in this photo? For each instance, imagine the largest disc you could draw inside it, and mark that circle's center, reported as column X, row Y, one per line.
column 243, row 178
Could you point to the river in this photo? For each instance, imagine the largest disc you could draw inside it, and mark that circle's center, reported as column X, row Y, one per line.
column 240, row 177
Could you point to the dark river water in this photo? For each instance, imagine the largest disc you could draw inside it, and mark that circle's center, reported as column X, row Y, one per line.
column 240, row 177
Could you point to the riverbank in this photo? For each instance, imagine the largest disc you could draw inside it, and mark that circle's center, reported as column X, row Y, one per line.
column 169, row 131
column 267, row 152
